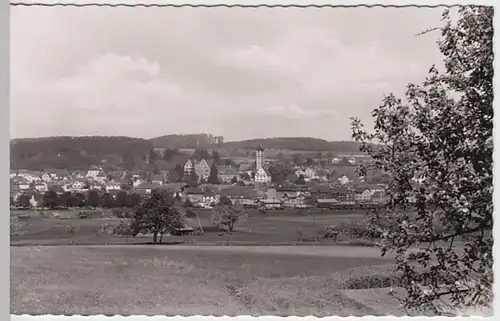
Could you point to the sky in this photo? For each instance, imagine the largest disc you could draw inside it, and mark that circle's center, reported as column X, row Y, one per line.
column 241, row 73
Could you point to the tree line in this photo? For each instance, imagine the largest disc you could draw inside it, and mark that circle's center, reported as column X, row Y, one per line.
column 92, row 199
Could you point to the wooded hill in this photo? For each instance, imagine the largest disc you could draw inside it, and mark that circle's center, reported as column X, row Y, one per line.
column 76, row 152
column 287, row 143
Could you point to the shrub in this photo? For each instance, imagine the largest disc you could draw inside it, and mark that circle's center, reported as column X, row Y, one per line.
column 331, row 232
column 369, row 277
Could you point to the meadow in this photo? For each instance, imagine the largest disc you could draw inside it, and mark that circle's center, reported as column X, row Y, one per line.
column 272, row 228
column 258, row 269
column 170, row 280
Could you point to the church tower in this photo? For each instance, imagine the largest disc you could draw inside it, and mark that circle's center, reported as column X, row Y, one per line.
column 259, row 157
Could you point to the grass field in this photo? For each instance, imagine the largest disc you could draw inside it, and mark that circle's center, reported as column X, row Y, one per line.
column 91, row 272
column 184, row 280
column 274, row 227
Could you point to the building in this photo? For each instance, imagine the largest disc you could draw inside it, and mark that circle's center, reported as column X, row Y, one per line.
column 93, row 172
column 189, row 166
column 343, row 195
column 194, row 195
column 262, row 174
column 146, row 188
column 158, row 179
column 362, row 194
column 202, row 169
column 113, row 186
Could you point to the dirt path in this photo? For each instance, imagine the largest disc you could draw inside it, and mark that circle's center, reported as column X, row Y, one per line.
column 328, row 251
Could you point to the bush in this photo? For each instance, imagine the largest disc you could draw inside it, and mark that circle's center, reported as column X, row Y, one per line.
column 369, row 277
column 331, row 232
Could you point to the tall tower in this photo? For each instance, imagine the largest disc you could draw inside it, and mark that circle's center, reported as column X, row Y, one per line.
column 259, row 157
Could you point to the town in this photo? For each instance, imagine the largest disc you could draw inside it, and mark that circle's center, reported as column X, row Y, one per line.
column 259, row 162
column 254, row 183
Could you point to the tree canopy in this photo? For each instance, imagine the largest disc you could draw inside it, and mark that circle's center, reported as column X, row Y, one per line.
column 157, row 216
column 441, row 135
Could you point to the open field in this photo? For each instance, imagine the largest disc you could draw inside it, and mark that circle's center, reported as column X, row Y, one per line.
column 274, row 227
column 185, row 280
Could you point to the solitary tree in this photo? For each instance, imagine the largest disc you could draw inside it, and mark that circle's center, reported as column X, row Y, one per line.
column 441, row 135
column 228, row 216
column 157, row 216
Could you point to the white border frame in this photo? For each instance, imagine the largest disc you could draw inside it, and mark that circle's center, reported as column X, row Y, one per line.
column 4, row 104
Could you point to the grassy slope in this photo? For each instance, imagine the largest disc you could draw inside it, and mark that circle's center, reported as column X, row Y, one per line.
column 110, row 280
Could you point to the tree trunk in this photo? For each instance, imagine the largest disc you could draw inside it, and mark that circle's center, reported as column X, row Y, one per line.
column 155, row 238
column 161, row 237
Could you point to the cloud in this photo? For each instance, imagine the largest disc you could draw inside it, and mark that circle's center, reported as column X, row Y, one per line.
column 293, row 111
column 240, row 73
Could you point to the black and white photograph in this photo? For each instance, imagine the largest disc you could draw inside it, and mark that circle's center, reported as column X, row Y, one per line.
column 264, row 161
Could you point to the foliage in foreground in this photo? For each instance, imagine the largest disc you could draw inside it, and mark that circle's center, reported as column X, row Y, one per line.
column 441, row 135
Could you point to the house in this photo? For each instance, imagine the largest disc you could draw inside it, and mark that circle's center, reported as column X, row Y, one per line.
column 78, row 185
column 138, row 182
column 271, row 204
column 101, row 178
column 292, row 191
column 226, row 174
column 189, row 166
column 300, row 172
column 297, row 200
column 362, row 194
column 113, row 186
column 380, row 197
column 335, row 160
column 262, row 176
column 96, row 186
column 146, row 188
column 41, row 187
column 242, row 194
column 310, row 174
column 209, row 198
column 351, row 160
column 343, row 195
column 23, row 185
column 194, row 194
column 344, row 180
column 93, row 172
column 158, row 179
column 202, row 169
column 320, row 192
column 46, row 177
